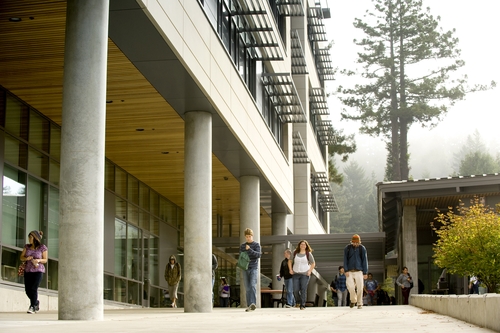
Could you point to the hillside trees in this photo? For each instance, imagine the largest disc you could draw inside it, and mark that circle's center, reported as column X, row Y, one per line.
column 473, row 158
column 356, row 199
column 407, row 64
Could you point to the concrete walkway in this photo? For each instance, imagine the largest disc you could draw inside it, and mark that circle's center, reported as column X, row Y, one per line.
column 369, row 319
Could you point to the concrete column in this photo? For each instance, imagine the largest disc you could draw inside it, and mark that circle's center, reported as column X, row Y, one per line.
column 82, row 161
column 250, row 218
column 198, row 212
column 409, row 244
column 278, row 228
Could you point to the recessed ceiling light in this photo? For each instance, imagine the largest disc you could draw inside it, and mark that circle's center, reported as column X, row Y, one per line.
column 15, row 19
column 109, row 101
column 164, row 152
column 139, row 129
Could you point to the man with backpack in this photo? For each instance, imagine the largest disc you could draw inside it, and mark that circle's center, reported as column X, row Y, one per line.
column 356, row 266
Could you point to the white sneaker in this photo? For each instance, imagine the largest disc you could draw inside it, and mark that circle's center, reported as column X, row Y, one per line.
column 252, row 307
column 287, row 306
column 31, row 309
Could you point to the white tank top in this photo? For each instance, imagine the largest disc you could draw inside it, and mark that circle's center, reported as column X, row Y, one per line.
column 300, row 263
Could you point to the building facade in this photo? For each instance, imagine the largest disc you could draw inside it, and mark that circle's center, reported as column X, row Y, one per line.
column 133, row 130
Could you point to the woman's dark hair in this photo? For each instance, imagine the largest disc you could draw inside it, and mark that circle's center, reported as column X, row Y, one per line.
column 224, row 280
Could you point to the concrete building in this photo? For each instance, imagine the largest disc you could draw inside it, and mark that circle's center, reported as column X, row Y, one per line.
column 133, row 130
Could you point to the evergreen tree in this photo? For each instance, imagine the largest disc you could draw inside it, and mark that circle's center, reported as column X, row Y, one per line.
column 407, row 62
column 343, row 146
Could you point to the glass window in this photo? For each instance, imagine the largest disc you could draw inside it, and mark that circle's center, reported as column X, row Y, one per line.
column 154, row 225
column 132, row 214
column 39, row 131
column 55, row 142
column 52, row 273
column 53, row 227
column 168, row 212
column 120, row 182
column 120, row 207
column 144, row 220
column 108, row 287
column 16, row 118
column 211, row 10
column 37, row 198
column 54, row 172
column 225, row 26
column 120, row 248
column 38, row 163
column 10, row 262
column 120, row 290
column 133, row 190
column 151, row 253
column 13, row 207
column 134, row 293
column 16, row 152
column 109, row 176
column 143, row 196
column 134, row 253
column 154, row 204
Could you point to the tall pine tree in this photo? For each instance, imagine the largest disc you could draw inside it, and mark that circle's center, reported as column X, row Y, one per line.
column 407, row 63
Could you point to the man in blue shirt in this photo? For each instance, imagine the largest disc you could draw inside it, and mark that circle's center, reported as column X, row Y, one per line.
column 252, row 248
column 356, row 267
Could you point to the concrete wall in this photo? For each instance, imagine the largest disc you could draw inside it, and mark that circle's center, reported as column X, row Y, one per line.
column 480, row 310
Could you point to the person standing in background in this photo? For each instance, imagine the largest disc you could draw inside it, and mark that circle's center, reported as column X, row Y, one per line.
column 356, row 266
column 404, row 281
column 35, row 254
column 285, row 273
column 173, row 277
column 371, row 288
column 215, row 264
column 224, row 293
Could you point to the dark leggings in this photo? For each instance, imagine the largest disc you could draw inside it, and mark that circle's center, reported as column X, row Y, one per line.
column 31, row 283
column 406, row 294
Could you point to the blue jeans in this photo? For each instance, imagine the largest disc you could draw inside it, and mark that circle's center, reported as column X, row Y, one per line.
column 300, row 282
column 342, row 298
column 250, row 283
column 290, row 299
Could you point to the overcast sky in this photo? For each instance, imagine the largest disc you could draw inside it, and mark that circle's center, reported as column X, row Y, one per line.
column 477, row 27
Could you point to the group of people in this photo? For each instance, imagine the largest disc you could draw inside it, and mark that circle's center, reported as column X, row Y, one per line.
column 296, row 269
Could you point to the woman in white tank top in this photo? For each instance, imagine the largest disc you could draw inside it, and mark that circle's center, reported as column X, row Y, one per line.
column 301, row 267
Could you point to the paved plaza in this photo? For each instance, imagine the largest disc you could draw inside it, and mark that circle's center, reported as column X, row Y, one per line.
column 399, row 318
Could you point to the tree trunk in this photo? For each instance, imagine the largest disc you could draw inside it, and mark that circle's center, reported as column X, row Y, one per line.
column 404, row 120
column 395, row 125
